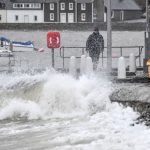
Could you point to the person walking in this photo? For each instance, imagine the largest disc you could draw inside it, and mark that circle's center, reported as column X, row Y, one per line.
column 95, row 46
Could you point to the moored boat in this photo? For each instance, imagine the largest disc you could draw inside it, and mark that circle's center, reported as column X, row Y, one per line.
column 16, row 46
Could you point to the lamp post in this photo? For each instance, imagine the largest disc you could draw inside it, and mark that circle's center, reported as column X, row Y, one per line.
column 109, row 37
column 147, row 39
column 147, row 17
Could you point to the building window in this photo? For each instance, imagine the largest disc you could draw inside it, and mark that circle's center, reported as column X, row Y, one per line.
column 62, row 7
column 16, row 18
column 112, row 14
column 32, row 5
column 83, row 6
column 27, row 5
column 83, row 17
column 122, row 15
column 21, row 5
column 51, row 6
column 70, row 6
column 2, row 5
column 17, row 5
column 52, row 16
column 37, row 5
column 14, row 5
column 35, row 18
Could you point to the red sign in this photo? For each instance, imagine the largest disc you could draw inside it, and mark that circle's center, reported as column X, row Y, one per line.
column 53, row 39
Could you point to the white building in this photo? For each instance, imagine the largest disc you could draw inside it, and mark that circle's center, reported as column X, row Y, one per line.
column 21, row 11
column 25, row 16
column 40, row 11
column 3, row 12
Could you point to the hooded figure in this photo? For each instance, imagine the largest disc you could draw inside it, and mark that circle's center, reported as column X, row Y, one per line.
column 95, row 46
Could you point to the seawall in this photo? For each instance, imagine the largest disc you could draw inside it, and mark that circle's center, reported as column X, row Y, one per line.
column 116, row 26
column 136, row 96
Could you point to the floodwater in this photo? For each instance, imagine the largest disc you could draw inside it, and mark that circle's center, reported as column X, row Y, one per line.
column 55, row 111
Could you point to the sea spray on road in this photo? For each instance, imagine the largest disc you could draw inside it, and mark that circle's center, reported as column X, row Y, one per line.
column 54, row 93
column 71, row 114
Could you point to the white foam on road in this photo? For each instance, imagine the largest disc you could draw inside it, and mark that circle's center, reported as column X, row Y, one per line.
column 76, row 114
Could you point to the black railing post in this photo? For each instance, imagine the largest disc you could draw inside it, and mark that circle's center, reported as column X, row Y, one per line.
column 83, row 51
column 121, row 51
column 102, row 59
column 140, row 51
column 63, row 59
column 60, row 51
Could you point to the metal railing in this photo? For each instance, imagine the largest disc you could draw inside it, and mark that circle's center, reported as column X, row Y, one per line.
column 10, row 62
column 137, row 49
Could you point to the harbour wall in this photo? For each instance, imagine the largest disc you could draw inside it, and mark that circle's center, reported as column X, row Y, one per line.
column 116, row 26
column 137, row 97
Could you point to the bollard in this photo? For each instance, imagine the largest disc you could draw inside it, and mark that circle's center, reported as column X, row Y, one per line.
column 72, row 66
column 89, row 65
column 121, row 68
column 132, row 63
column 83, row 65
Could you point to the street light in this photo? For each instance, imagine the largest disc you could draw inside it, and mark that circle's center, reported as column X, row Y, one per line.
column 147, row 17
column 147, row 40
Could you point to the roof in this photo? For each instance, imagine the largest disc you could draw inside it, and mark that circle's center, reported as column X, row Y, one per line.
column 27, row 1
column 84, row 1
column 9, row 3
column 2, row 1
column 48, row 1
column 123, row 5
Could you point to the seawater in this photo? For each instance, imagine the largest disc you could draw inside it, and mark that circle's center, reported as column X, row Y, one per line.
column 54, row 111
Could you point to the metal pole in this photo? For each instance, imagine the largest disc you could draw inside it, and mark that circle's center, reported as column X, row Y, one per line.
column 147, row 45
column 109, row 37
column 53, row 64
column 63, row 59
column 147, row 17
column 147, row 39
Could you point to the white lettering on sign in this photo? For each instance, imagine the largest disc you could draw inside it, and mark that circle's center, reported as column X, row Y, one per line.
column 57, row 39
column 50, row 40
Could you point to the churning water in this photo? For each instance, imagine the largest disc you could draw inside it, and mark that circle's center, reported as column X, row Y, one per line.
column 55, row 111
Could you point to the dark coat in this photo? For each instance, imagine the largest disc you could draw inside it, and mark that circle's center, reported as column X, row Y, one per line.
column 95, row 44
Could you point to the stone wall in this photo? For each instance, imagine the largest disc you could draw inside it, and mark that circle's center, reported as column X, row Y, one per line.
column 142, row 108
column 73, row 26
column 135, row 96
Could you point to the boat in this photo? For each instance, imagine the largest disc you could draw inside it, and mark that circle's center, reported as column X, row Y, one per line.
column 16, row 46
column 8, row 49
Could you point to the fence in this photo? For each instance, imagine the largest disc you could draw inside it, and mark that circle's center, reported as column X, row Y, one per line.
column 118, row 51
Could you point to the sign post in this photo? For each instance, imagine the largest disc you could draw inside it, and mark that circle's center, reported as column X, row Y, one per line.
column 53, row 61
column 53, row 41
